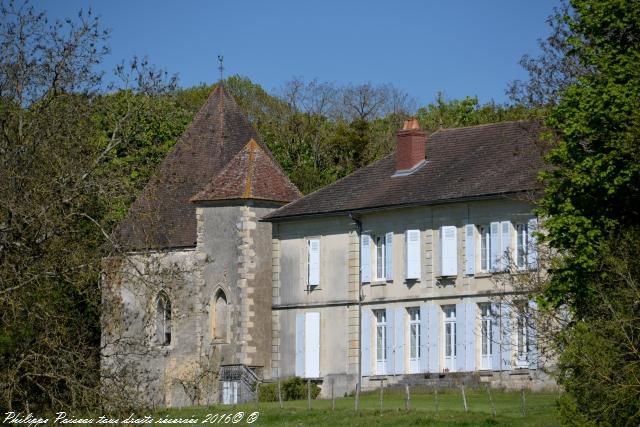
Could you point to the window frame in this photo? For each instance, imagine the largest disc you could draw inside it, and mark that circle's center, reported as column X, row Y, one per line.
column 484, row 232
column 163, row 337
column 382, row 263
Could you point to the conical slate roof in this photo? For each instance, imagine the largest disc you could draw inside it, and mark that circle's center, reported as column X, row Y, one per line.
column 251, row 174
column 162, row 216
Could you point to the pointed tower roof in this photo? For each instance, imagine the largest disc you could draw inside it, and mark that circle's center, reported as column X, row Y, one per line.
column 162, row 215
column 251, row 174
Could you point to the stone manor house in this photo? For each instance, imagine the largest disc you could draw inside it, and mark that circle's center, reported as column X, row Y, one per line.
column 231, row 276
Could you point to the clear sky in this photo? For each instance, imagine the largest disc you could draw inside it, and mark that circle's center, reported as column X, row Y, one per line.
column 422, row 47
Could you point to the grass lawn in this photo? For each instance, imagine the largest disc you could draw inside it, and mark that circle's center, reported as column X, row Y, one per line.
column 539, row 410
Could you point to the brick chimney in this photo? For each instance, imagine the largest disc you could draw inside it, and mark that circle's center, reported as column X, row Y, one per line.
column 411, row 145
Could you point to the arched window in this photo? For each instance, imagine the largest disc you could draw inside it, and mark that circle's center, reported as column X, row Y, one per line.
column 163, row 319
column 221, row 317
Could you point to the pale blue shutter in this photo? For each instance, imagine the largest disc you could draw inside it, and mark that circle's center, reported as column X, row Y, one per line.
column 424, row 338
column 388, row 256
column 399, row 340
column 365, row 258
column 314, row 262
column 495, row 246
column 505, row 253
column 460, row 336
column 365, row 341
column 532, row 247
column 469, row 249
column 449, row 251
column 532, row 333
column 389, row 330
column 299, row 370
column 495, row 336
column 506, row 338
column 412, row 252
column 434, row 337
column 470, row 336
column 312, row 345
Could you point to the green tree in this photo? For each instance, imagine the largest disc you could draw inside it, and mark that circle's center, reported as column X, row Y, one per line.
column 594, row 181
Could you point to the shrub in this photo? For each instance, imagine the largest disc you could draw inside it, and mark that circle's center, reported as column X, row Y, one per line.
column 293, row 388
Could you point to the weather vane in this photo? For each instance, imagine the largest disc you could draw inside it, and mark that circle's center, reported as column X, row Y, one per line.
column 221, row 67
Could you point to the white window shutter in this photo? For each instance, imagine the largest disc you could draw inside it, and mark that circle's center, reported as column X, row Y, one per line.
column 449, row 256
column 312, row 345
column 470, row 336
column 365, row 258
column 365, row 338
column 495, row 246
column 505, row 238
column 412, row 245
column 388, row 256
column 532, row 247
column 299, row 369
column 398, row 348
column 469, row 249
column 314, row 262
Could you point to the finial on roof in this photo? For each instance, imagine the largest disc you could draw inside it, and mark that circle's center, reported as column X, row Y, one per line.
column 221, row 67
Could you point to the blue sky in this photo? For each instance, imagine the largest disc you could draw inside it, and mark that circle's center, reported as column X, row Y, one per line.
column 422, row 47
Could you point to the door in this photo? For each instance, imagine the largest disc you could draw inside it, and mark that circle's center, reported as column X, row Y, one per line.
column 229, row 392
column 381, row 342
column 414, row 340
column 486, row 337
column 450, row 338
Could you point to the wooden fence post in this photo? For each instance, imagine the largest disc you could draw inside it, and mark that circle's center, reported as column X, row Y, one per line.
column 523, row 402
column 437, row 403
column 357, row 401
column 381, row 392
column 308, row 394
column 407, row 402
column 493, row 406
column 257, row 393
column 464, row 398
column 279, row 394
column 333, row 398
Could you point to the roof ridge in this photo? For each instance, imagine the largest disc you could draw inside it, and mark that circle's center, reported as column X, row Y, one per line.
column 505, row 122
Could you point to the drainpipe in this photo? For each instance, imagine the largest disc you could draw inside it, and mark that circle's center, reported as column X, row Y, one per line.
column 355, row 219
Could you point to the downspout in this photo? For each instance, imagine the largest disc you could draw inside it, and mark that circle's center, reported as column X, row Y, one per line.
column 359, row 234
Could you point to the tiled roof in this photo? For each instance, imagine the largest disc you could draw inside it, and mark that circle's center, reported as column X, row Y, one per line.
column 462, row 163
column 251, row 174
column 162, row 216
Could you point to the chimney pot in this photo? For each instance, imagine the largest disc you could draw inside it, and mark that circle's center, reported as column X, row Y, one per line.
column 410, row 150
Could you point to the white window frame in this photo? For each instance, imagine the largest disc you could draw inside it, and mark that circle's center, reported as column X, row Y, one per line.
column 487, row 346
column 415, row 335
column 449, row 337
column 484, row 231
column 380, row 317
column 522, row 245
column 379, row 265
column 523, row 340
column 163, row 319
column 311, row 286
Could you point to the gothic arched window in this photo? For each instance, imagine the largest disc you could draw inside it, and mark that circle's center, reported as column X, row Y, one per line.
column 220, row 317
column 163, row 319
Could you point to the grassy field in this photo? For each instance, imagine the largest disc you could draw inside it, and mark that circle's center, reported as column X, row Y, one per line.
column 449, row 412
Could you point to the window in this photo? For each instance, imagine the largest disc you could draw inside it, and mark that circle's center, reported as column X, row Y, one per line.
column 220, row 317
column 450, row 339
column 307, row 352
column 485, row 248
column 414, row 339
column 163, row 319
column 522, row 243
column 412, row 254
column 486, row 336
column 380, row 257
column 313, row 262
column 381, row 341
column 449, row 251
column 522, row 337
